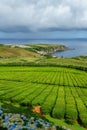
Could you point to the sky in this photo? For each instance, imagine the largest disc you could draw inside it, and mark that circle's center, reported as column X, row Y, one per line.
column 36, row 19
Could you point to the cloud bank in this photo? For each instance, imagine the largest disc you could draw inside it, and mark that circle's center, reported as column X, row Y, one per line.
column 33, row 15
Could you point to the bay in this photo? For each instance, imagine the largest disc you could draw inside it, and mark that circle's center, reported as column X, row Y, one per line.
column 78, row 47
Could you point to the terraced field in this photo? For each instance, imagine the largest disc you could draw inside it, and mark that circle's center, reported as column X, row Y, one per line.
column 62, row 92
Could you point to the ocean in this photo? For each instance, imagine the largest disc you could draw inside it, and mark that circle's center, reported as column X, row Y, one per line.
column 78, row 47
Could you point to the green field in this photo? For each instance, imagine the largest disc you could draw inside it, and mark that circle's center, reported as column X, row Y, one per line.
column 62, row 92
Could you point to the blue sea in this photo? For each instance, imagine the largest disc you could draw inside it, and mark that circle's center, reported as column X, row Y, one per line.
column 78, row 46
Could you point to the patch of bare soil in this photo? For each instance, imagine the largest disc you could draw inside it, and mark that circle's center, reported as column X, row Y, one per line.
column 37, row 109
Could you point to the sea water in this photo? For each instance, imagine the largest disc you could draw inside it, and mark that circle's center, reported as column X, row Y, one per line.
column 78, row 47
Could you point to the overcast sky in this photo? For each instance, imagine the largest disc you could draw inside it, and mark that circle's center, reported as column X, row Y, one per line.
column 43, row 18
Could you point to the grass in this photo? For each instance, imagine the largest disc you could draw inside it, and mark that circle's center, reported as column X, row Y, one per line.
column 8, row 51
column 48, row 86
column 15, row 108
column 62, row 123
column 29, row 56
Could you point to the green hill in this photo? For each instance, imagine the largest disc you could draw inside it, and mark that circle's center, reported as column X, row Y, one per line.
column 38, row 54
column 8, row 51
column 47, row 48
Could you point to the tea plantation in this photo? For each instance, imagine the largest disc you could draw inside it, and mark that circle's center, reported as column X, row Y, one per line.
column 61, row 92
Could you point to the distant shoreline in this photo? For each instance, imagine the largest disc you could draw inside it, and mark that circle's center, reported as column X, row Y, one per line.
column 77, row 46
column 35, row 41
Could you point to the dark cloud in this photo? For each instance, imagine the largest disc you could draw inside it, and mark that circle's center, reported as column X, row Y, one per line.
column 15, row 29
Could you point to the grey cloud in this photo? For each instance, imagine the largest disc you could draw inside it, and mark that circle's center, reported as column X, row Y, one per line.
column 15, row 29
column 32, row 15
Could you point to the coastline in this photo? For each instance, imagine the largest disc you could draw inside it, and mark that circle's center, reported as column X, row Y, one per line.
column 78, row 46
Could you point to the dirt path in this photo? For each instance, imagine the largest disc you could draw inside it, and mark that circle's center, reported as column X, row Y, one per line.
column 37, row 109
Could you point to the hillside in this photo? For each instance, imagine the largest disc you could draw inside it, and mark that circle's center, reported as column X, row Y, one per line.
column 8, row 51
column 22, row 88
column 54, row 83
column 47, row 48
column 31, row 53
column 82, row 58
column 38, row 54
